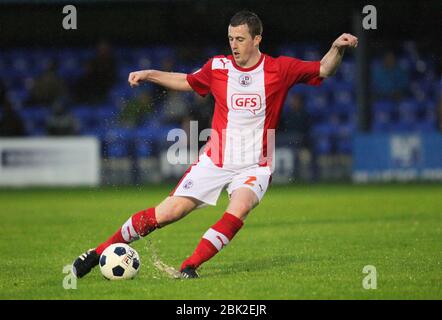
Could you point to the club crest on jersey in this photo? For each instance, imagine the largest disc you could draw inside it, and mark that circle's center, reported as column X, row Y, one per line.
column 245, row 80
column 248, row 102
column 188, row 184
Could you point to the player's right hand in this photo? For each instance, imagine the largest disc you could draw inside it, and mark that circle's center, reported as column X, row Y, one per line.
column 137, row 77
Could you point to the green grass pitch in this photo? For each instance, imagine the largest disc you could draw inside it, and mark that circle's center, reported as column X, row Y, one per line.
column 301, row 242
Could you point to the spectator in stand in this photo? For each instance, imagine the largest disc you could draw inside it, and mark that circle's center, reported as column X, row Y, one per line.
column 61, row 122
column 47, row 88
column 439, row 105
column 3, row 91
column 11, row 124
column 390, row 81
column 159, row 93
column 201, row 110
column 168, row 64
column 176, row 109
column 295, row 124
column 136, row 110
column 99, row 77
column 294, row 132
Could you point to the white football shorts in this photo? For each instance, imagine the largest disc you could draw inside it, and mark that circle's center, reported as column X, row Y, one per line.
column 204, row 181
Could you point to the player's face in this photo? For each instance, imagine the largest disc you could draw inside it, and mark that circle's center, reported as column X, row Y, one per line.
column 242, row 44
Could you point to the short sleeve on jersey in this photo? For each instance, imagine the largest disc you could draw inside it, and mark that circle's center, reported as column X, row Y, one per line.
column 200, row 80
column 299, row 71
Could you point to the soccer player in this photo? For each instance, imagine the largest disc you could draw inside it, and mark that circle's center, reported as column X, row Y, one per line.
column 249, row 88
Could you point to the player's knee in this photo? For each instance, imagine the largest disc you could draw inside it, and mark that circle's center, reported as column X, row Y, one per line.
column 240, row 209
column 171, row 211
column 174, row 213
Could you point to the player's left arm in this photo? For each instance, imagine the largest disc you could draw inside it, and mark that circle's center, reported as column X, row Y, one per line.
column 332, row 59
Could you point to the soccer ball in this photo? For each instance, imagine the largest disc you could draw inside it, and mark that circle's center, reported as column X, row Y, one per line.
column 119, row 261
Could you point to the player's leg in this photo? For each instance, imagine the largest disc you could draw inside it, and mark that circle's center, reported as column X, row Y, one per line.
column 242, row 201
column 144, row 222
column 200, row 185
column 246, row 191
column 138, row 225
column 174, row 208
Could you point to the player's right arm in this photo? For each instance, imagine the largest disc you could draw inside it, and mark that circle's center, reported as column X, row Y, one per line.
column 170, row 80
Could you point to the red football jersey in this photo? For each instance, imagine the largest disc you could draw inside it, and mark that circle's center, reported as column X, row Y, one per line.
column 248, row 104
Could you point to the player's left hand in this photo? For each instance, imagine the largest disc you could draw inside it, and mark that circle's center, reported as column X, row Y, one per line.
column 346, row 40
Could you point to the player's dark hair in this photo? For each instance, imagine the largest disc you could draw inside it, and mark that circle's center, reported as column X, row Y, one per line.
column 251, row 19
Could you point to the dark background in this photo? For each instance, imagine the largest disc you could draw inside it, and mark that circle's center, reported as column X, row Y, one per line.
column 205, row 22
column 197, row 30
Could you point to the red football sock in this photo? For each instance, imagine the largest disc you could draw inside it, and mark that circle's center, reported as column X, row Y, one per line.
column 139, row 225
column 217, row 237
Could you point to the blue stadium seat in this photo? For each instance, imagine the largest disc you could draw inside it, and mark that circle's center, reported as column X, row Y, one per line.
column 144, row 140
column 85, row 54
column 146, row 132
column 380, row 127
column 18, row 96
column 344, row 133
column 98, row 132
column 158, row 132
column 70, row 68
column 322, row 135
column 410, row 105
column 21, row 65
column 143, row 149
column 125, row 70
column 324, row 129
column 87, row 117
column 346, row 129
column 317, row 104
column 400, row 127
column 407, row 113
column 311, row 52
column 430, row 115
column 117, row 142
column 184, row 68
column 300, row 89
column 35, row 113
column 107, row 116
column 429, row 106
column 343, row 96
column 347, row 70
column 117, row 149
column 41, row 64
column 383, row 105
column 323, row 145
column 120, row 93
column 143, row 63
column 35, row 119
column 344, row 145
column 405, row 62
column 425, row 126
column 342, row 109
